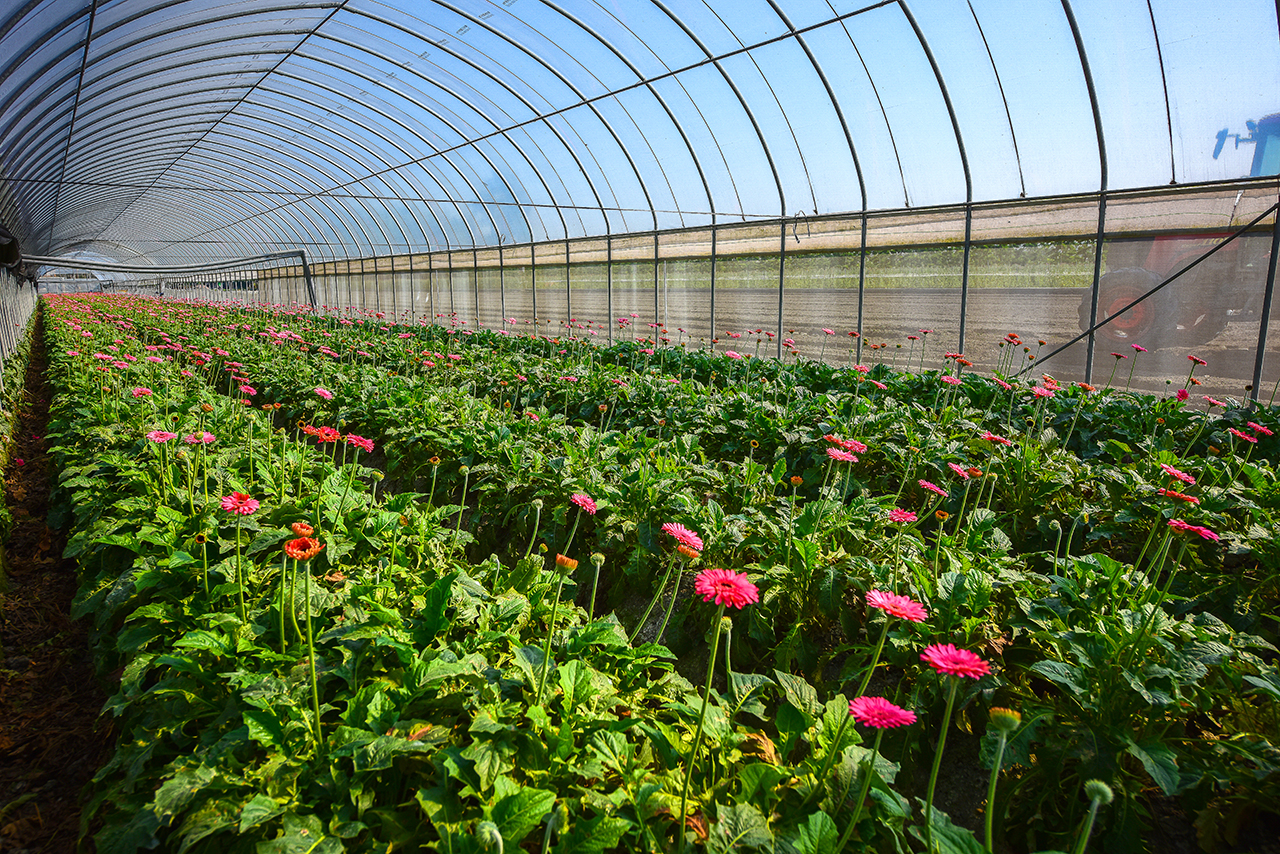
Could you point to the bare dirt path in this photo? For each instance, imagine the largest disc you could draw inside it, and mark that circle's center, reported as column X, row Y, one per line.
column 50, row 745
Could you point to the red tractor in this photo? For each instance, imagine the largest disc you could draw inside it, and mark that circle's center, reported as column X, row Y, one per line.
column 1198, row 306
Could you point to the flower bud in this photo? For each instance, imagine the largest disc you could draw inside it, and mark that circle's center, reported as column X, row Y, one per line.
column 1096, row 790
column 1005, row 720
column 488, row 835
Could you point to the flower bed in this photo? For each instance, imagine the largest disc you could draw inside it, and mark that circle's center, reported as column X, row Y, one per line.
column 369, row 585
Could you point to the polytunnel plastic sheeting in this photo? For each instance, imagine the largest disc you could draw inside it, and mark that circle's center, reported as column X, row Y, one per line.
column 175, row 129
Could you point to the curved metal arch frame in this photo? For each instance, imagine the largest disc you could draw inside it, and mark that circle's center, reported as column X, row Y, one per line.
column 315, row 231
column 377, row 173
column 964, row 164
column 857, row 166
column 370, row 241
column 318, row 140
column 764, row 145
column 498, row 129
column 573, row 88
column 335, row 219
column 180, row 155
column 395, row 169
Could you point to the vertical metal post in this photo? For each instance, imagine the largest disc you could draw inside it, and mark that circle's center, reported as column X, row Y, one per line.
column 782, row 267
column 453, row 306
column 413, row 297
column 475, row 281
column 1102, row 189
column 608, row 284
column 1266, row 309
column 533, row 284
column 306, row 278
column 568, row 298
column 712, row 331
column 964, row 272
column 656, row 313
column 862, row 283
column 502, row 285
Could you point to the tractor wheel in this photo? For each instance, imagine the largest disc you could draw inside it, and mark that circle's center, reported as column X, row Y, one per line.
column 1201, row 322
column 1138, row 325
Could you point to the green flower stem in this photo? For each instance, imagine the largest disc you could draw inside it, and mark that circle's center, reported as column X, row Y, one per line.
column 551, row 630
column 989, row 819
column 598, row 560
column 937, row 763
column 671, row 606
column 697, row 737
column 654, row 601
column 572, row 533
column 875, row 659
column 862, row 793
column 466, row 482
column 284, row 574
column 204, row 568
column 1083, row 840
column 239, row 577
column 311, row 649
column 537, row 520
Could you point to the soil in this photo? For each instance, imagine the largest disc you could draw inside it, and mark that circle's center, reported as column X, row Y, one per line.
column 50, row 742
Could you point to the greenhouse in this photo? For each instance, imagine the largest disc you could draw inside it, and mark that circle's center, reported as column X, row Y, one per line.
column 639, row 426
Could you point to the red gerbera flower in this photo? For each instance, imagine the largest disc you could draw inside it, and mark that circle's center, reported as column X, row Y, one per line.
column 303, row 548
column 725, row 587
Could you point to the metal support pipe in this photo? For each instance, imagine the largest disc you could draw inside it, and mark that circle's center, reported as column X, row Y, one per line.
column 1266, row 311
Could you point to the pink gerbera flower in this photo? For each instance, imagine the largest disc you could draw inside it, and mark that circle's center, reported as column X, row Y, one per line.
column 879, row 713
column 899, row 606
column 945, row 658
column 950, row 380
column 1258, row 428
column 842, row 456
column 1181, row 496
column 683, row 535
column 899, row 515
column 584, row 501
column 141, row 392
column 325, row 393
column 239, row 504
column 1245, row 436
column 202, row 438
column 1179, row 525
column 992, row 437
column 933, row 487
column 1180, row 475
column 725, row 587
column 961, row 471
column 161, row 436
column 360, row 442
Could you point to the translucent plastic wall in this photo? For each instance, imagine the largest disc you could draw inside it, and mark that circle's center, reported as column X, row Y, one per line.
column 17, row 302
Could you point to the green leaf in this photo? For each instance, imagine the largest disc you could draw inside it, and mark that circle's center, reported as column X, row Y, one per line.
column 949, row 838
column 259, row 809
column 518, row 810
column 264, row 727
column 799, row 693
column 1062, row 673
column 1161, row 763
column 818, row 835
column 742, row 825
column 594, row 836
